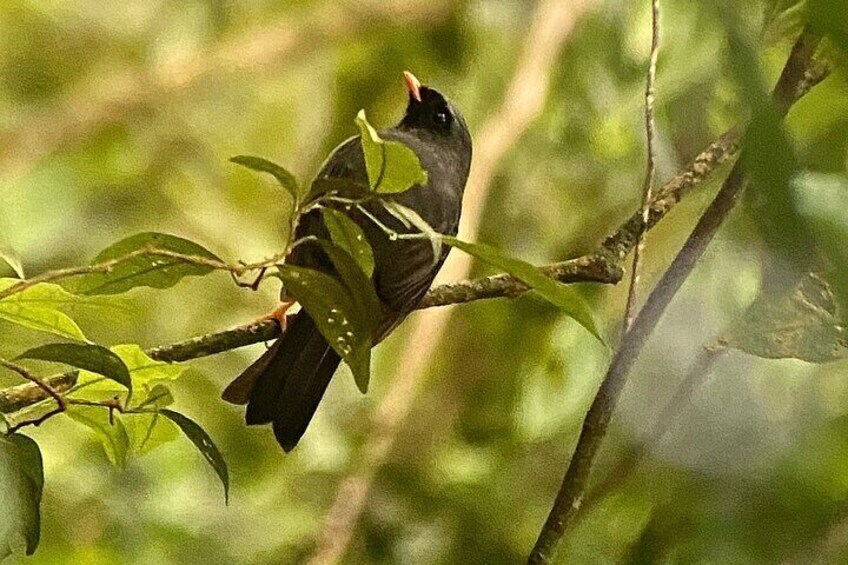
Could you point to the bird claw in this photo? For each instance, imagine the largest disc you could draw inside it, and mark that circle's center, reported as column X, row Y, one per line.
column 279, row 314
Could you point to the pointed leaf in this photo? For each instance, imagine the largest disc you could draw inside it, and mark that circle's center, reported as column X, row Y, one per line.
column 802, row 325
column 350, row 237
column 284, row 177
column 110, row 432
column 21, row 484
column 392, row 166
column 155, row 271
column 13, row 260
column 359, row 286
column 338, row 317
column 552, row 291
column 37, row 308
column 94, row 358
column 204, row 443
column 143, row 371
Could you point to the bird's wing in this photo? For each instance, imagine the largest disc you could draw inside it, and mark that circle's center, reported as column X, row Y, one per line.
column 404, row 268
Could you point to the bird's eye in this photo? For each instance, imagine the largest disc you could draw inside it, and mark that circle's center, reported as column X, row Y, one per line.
column 441, row 118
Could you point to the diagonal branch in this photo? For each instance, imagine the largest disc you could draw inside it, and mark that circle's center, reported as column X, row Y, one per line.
column 571, row 493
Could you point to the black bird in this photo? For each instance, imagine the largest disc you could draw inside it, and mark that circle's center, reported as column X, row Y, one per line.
column 285, row 385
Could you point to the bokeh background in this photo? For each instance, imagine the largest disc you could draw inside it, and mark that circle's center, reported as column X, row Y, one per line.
column 119, row 117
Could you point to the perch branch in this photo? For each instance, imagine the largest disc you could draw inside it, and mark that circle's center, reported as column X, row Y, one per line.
column 602, row 266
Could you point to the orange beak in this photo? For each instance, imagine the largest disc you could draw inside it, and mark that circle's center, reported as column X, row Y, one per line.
column 413, row 85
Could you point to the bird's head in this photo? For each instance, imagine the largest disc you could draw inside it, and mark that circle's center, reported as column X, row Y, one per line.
column 430, row 113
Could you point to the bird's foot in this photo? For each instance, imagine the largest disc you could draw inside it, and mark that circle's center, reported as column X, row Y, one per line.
column 279, row 314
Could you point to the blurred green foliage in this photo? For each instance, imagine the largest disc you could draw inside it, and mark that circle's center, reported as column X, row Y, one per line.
column 120, row 118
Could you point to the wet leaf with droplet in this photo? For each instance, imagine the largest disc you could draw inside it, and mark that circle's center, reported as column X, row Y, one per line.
column 349, row 236
column 204, row 444
column 344, row 323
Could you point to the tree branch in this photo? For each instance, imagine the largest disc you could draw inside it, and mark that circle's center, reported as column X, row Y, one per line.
column 650, row 168
column 603, row 266
column 107, row 266
column 43, row 386
column 570, row 496
column 682, row 397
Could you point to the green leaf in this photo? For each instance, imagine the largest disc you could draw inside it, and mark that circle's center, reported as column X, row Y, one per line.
column 284, row 177
column 159, row 396
column 13, row 260
column 822, row 200
column 21, row 484
column 392, row 166
column 111, row 434
column 801, row 325
column 144, row 371
column 149, row 270
column 349, row 236
column 37, row 308
column 204, row 443
column 150, row 431
column 556, row 293
column 358, row 284
column 147, row 431
column 339, row 318
column 94, row 358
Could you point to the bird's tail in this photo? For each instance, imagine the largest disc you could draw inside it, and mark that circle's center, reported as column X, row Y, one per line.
column 285, row 385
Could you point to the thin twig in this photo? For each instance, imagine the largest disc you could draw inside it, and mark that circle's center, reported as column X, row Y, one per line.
column 44, row 386
column 571, row 492
column 114, row 404
column 107, row 266
column 650, row 169
column 60, row 274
